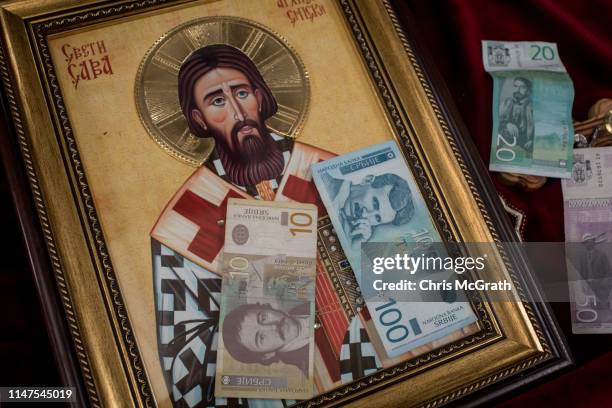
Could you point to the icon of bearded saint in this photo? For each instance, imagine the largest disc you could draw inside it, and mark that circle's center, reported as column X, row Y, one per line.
column 223, row 95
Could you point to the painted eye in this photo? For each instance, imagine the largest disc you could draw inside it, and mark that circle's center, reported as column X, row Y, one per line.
column 218, row 101
column 378, row 218
column 242, row 94
column 375, row 203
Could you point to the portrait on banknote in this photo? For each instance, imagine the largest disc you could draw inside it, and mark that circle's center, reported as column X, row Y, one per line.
column 376, row 200
column 318, row 133
column 516, row 112
column 260, row 334
column 594, row 267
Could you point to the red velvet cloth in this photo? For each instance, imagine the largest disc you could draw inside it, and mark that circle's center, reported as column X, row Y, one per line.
column 586, row 387
column 452, row 31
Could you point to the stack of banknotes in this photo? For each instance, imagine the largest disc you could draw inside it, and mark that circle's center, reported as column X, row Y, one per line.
column 587, row 197
column 532, row 109
column 275, row 254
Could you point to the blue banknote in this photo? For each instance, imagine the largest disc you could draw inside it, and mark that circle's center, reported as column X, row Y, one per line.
column 371, row 196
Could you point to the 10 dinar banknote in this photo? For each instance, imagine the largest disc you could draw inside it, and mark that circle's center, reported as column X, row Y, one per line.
column 266, row 343
column 587, row 205
column 371, row 196
column 532, row 108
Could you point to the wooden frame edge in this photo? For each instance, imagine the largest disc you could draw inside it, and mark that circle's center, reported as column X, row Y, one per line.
column 15, row 157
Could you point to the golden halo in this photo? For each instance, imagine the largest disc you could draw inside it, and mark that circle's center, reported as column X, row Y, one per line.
column 156, row 88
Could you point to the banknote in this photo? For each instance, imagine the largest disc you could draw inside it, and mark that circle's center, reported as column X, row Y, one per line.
column 371, row 196
column 532, row 108
column 267, row 311
column 588, row 231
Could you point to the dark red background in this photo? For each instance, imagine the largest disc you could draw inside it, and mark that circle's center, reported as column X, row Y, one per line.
column 451, row 31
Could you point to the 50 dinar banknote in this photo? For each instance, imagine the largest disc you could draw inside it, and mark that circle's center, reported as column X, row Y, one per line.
column 267, row 315
column 532, row 108
column 587, row 206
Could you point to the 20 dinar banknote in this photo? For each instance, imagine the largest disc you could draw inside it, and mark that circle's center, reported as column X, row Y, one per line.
column 532, row 108
column 267, row 315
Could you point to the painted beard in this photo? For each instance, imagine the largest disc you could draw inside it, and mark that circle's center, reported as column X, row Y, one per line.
column 254, row 159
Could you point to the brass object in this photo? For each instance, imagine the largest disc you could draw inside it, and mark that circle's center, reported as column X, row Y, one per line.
column 525, row 182
column 600, row 116
column 513, row 337
column 603, row 135
column 156, row 89
column 599, row 107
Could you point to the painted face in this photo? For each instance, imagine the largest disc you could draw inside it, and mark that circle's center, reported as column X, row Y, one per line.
column 267, row 330
column 227, row 103
column 365, row 201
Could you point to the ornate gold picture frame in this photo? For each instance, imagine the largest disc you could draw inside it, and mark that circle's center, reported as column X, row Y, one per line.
column 92, row 106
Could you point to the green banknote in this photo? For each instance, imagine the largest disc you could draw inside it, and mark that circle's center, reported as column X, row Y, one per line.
column 266, row 343
column 532, row 109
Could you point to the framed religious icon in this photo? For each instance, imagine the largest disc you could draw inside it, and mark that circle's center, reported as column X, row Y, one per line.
column 139, row 124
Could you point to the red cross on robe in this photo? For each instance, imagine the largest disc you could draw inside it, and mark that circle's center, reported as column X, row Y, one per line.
column 303, row 191
column 210, row 237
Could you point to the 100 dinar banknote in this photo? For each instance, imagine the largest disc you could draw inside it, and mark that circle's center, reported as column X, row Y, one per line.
column 532, row 108
column 371, row 196
column 267, row 315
